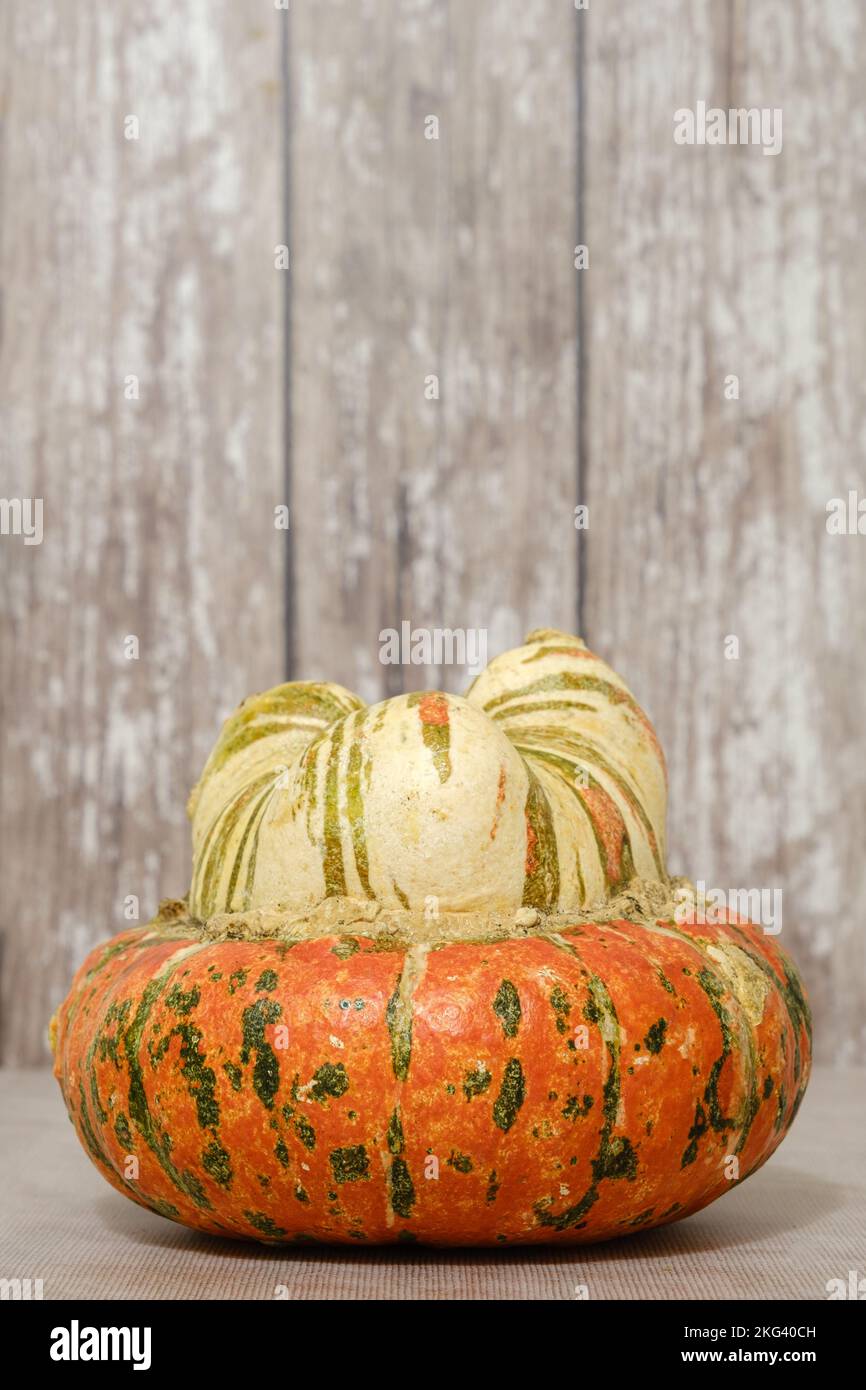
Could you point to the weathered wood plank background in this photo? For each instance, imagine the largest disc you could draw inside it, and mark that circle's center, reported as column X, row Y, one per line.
column 708, row 515
column 413, row 258
column 151, row 258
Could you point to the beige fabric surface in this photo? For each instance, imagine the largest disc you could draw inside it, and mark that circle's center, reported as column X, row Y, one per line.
column 794, row 1225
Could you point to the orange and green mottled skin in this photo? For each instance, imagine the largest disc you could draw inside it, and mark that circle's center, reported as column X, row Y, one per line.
column 556, row 1087
column 432, row 708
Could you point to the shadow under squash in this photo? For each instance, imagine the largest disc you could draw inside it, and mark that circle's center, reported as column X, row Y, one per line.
column 783, row 1200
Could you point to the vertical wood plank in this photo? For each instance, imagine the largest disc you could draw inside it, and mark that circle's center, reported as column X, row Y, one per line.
column 707, row 515
column 149, row 257
column 413, row 258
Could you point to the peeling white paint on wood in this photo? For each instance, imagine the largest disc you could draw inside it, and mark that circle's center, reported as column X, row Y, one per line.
column 416, row 257
column 153, row 258
column 413, row 257
column 708, row 515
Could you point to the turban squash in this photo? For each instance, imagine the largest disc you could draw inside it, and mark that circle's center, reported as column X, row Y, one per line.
column 429, row 984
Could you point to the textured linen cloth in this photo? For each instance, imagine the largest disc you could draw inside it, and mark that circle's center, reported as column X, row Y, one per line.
column 797, row 1223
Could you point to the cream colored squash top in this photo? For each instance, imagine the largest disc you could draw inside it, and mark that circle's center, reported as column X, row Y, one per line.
column 543, row 788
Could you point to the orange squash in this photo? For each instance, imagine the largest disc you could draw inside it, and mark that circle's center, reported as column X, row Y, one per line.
column 430, row 984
